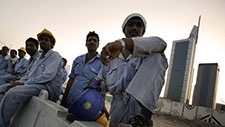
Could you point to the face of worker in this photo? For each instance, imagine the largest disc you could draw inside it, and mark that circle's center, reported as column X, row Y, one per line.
column 92, row 43
column 21, row 54
column 134, row 28
column 45, row 43
column 13, row 54
column 5, row 52
column 31, row 48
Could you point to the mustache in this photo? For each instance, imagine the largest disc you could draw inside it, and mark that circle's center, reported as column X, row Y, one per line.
column 91, row 43
column 134, row 31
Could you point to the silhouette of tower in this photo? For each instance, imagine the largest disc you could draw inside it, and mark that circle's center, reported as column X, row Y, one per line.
column 180, row 72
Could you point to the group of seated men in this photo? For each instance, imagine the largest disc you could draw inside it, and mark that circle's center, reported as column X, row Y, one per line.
column 12, row 67
column 20, row 79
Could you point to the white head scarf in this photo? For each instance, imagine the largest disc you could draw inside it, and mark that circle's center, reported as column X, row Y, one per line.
column 132, row 16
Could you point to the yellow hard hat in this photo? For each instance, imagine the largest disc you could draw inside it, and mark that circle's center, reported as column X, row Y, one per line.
column 102, row 120
column 46, row 32
column 22, row 49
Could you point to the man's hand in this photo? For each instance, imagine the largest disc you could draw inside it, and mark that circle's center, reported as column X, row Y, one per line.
column 98, row 86
column 113, row 49
column 110, row 51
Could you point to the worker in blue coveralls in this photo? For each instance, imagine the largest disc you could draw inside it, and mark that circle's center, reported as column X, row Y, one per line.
column 65, row 73
column 4, row 57
column 32, row 46
column 84, row 68
column 45, row 74
column 133, row 74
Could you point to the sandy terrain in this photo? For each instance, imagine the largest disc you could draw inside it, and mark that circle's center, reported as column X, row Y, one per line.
column 165, row 120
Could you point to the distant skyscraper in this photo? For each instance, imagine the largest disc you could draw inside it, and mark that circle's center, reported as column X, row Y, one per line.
column 179, row 78
column 206, row 85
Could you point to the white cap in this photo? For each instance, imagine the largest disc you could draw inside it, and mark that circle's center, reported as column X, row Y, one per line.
column 132, row 16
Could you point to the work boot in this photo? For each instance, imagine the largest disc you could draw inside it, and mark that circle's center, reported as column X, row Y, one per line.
column 140, row 121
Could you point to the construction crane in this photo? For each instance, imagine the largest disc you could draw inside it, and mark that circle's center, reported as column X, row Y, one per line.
column 2, row 43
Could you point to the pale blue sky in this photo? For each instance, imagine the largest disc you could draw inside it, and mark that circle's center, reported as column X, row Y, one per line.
column 71, row 20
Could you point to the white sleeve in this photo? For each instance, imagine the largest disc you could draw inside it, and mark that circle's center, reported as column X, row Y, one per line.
column 144, row 46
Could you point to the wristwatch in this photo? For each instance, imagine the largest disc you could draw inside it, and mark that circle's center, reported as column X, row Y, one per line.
column 123, row 44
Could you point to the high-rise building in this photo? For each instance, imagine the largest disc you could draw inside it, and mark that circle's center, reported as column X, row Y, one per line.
column 180, row 72
column 206, row 85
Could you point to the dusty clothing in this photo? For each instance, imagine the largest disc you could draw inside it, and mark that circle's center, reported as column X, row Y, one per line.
column 147, row 62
